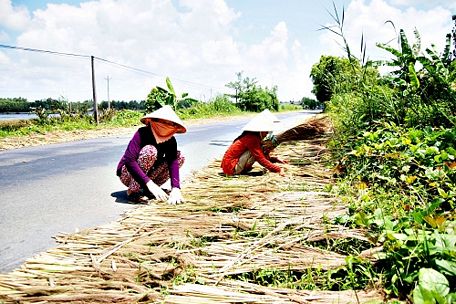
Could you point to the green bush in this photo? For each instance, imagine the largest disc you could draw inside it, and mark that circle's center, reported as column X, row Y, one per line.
column 159, row 97
column 221, row 105
column 257, row 99
column 401, row 185
column 249, row 96
column 395, row 157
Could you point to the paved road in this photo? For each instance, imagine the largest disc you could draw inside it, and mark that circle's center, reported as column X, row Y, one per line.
column 65, row 187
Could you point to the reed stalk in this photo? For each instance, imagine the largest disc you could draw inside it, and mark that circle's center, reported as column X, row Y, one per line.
column 190, row 253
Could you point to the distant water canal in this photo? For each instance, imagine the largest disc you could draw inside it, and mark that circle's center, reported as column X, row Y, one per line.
column 15, row 116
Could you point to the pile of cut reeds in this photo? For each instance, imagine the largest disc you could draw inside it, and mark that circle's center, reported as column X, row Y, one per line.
column 314, row 127
column 198, row 252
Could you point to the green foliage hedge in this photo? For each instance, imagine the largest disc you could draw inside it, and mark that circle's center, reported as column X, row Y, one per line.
column 394, row 151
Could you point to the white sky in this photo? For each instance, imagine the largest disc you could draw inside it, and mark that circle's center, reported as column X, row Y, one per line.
column 199, row 44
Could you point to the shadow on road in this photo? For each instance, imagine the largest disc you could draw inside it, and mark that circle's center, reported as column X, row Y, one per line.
column 122, row 198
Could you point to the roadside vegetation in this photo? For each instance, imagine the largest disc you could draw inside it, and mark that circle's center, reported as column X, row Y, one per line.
column 394, row 150
column 394, row 158
column 60, row 114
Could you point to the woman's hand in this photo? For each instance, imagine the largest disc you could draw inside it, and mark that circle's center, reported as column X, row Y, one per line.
column 175, row 197
column 157, row 191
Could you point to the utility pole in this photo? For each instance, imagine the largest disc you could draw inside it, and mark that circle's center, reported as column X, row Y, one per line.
column 107, row 80
column 95, row 107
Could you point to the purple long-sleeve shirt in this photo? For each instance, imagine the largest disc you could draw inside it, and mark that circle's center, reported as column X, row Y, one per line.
column 166, row 152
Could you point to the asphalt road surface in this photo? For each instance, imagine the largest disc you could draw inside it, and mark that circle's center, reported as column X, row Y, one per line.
column 62, row 188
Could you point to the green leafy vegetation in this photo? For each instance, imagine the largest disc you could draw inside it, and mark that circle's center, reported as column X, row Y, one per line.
column 311, row 104
column 357, row 275
column 249, row 96
column 14, row 105
column 66, row 122
column 159, row 97
column 395, row 159
column 220, row 106
column 60, row 114
column 51, row 105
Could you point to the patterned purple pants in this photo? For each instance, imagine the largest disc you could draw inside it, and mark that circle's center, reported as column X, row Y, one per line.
column 146, row 160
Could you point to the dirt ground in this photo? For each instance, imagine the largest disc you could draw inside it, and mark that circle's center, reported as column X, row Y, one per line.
column 16, row 142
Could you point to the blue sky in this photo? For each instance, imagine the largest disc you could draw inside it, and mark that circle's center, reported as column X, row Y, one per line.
column 199, row 44
column 41, row 4
column 258, row 17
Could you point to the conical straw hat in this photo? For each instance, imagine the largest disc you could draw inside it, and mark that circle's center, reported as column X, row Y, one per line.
column 166, row 113
column 272, row 116
column 263, row 122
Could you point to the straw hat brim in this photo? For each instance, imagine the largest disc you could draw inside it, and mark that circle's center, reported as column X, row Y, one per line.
column 263, row 122
column 165, row 113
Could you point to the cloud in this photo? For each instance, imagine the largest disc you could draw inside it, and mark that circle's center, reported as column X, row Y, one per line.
column 279, row 61
column 13, row 18
column 186, row 42
column 369, row 19
column 221, row 52
column 424, row 3
column 198, row 44
column 192, row 42
column 4, row 59
column 272, row 52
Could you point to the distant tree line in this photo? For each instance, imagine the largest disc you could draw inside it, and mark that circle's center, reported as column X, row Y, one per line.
column 311, row 104
column 14, row 105
column 247, row 96
column 20, row 104
column 123, row 105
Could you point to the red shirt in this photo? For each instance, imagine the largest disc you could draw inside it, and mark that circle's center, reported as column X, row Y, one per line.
column 248, row 141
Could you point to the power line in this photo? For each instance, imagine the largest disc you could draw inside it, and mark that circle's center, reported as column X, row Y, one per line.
column 128, row 67
column 151, row 73
column 41, row 51
column 100, row 59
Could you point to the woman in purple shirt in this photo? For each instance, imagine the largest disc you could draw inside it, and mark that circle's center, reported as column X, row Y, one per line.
column 151, row 158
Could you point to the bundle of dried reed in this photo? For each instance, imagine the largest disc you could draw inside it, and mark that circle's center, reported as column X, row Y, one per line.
column 198, row 252
column 309, row 129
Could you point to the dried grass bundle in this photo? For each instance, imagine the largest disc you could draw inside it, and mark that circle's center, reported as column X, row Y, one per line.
column 310, row 129
column 203, row 251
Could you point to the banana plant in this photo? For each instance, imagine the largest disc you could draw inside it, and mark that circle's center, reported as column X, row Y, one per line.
column 405, row 60
column 439, row 67
column 426, row 81
column 159, row 97
column 439, row 77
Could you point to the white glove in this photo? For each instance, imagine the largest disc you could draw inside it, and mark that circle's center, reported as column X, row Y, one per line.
column 157, row 191
column 175, row 197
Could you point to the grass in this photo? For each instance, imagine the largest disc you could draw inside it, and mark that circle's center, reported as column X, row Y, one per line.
column 289, row 107
column 116, row 119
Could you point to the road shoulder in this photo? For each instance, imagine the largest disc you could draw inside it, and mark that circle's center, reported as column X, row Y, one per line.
column 53, row 137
